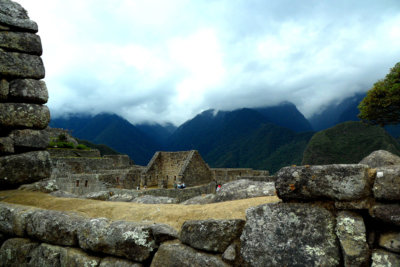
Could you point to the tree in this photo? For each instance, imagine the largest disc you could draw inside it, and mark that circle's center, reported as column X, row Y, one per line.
column 382, row 104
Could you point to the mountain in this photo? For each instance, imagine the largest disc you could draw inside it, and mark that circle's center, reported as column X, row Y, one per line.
column 335, row 113
column 240, row 138
column 286, row 115
column 348, row 142
column 104, row 150
column 113, row 131
column 160, row 133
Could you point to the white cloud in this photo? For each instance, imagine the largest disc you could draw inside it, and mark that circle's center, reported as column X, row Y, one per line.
column 164, row 61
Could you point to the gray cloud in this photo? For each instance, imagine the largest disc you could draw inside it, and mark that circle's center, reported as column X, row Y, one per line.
column 166, row 61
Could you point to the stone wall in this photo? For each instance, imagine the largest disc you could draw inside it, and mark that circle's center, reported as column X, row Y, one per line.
column 23, row 94
column 73, row 153
column 195, row 171
column 225, row 175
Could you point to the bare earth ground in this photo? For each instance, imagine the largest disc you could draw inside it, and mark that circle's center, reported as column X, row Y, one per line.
column 172, row 214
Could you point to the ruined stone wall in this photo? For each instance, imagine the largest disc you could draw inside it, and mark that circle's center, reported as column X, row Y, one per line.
column 23, row 113
column 195, row 171
column 120, row 161
column 68, row 153
column 225, row 175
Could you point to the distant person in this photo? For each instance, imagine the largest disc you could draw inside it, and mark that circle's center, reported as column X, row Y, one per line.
column 175, row 185
column 218, row 188
column 183, row 186
column 179, row 186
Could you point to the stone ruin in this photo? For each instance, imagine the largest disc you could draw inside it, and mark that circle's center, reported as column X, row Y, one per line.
column 23, row 113
column 331, row 215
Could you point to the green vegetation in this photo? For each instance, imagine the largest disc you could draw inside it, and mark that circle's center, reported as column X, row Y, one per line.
column 104, row 150
column 382, row 104
column 61, row 144
column 348, row 142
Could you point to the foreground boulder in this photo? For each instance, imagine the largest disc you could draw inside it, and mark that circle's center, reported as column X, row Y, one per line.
column 123, row 239
column 389, row 213
column 335, row 182
column 37, row 166
column 16, row 252
column 286, row 234
column 384, row 258
column 350, row 229
column 390, row 241
column 211, row 235
column 173, row 253
column 380, row 158
column 54, row 227
column 242, row 189
column 387, row 183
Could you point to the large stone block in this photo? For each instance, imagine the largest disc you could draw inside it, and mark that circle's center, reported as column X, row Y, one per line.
column 17, row 252
column 123, row 239
column 20, row 115
column 54, row 227
column 336, row 182
column 24, row 168
column 13, row 219
column 289, row 235
column 211, row 235
column 116, row 262
column 28, row 91
column 55, row 256
column 242, row 189
column 21, row 42
column 18, row 65
column 381, row 258
column 390, row 241
column 4, row 89
column 6, row 145
column 30, row 139
column 389, row 213
column 13, row 14
column 171, row 254
column 350, row 229
column 380, row 158
column 387, row 183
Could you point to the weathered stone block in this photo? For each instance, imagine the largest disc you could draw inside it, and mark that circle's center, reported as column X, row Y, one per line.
column 124, row 239
column 36, row 166
column 336, row 182
column 30, row 139
column 28, row 91
column 21, row 41
column 54, row 227
column 6, row 145
column 390, row 241
column 362, row 204
column 230, row 254
column 21, row 115
column 116, row 262
column 380, row 158
column 350, row 229
column 387, row 183
column 13, row 14
column 163, row 232
column 211, row 235
column 289, row 235
column 18, row 65
column 381, row 258
column 176, row 254
column 13, row 219
column 56, row 256
column 4, row 89
column 242, row 189
column 389, row 213
column 16, row 252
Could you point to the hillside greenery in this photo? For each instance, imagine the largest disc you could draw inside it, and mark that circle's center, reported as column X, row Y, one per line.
column 382, row 104
column 348, row 142
column 104, row 150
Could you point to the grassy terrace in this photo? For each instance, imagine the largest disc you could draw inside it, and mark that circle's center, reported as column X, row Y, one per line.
column 171, row 214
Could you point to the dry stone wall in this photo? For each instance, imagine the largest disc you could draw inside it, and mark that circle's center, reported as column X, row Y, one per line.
column 23, row 115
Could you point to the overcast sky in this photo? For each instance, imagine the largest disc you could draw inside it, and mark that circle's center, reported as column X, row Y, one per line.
column 168, row 60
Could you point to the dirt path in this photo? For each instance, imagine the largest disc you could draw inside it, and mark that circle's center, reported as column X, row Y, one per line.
column 171, row 214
